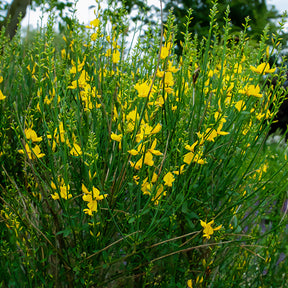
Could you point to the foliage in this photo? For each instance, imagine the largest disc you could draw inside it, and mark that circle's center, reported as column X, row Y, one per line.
column 16, row 10
column 256, row 10
column 128, row 168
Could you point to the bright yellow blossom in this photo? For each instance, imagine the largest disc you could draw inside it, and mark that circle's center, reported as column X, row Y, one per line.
column 251, row 90
column 77, row 67
column 240, row 105
column 208, row 229
column 152, row 149
column 116, row 137
column 168, row 80
column 64, row 191
column 160, row 74
column 159, row 193
column 171, row 68
column 138, row 164
column 165, row 50
column 219, row 131
column 211, row 134
column 76, row 150
column 2, row 97
column 263, row 68
column 91, row 197
column 148, row 159
column 94, row 23
column 31, row 134
column 133, row 152
column 180, row 170
column 143, row 89
column 146, row 187
column 94, row 36
column 35, row 152
column 197, row 158
column 168, row 179
column 156, row 129
column 192, row 147
column 115, row 56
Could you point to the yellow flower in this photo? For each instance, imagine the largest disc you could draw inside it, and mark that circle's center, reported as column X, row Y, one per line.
column 251, row 90
column 136, row 178
column 133, row 116
column 94, row 23
column 168, row 90
column 237, row 68
column 263, row 68
column 211, row 134
column 159, row 193
column 138, row 164
column 164, row 52
column 191, row 148
column 160, row 74
column 189, row 283
column 81, row 83
column 115, row 56
column 188, row 157
column 63, row 54
column 88, row 211
column 168, row 80
column 61, row 132
column 94, row 194
column 94, row 36
column 146, row 187
column 145, row 131
column 64, row 192
column 156, row 129
column 195, row 157
column 171, row 68
column 168, row 179
column 259, row 116
column 116, row 137
column 152, row 149
column 240, row 105
column 208, row 229
column 31, row 134
column 219, row 132
column 76, row 150
column 148, row 159
column 133, row 152
column 180, row 171
column 91, row 197
column 35, row 152
column 2, row 97
column 79, row 65
column 143, row 89
column 108, row 53
column 154, row 177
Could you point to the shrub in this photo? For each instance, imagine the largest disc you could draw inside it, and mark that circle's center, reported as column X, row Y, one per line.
column 135, row 168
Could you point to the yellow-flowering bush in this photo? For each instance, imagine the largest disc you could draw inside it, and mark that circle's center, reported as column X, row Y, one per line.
column 139, row 168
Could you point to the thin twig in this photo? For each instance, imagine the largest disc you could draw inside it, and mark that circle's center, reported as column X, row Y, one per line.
column 112, row 244
column 189, row 249
column 173, row 239
column 256, row 254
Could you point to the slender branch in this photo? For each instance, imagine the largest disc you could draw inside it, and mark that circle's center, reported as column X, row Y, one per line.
column 112, row 244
